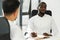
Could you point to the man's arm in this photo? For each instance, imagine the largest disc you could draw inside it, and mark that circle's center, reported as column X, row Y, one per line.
column 54, row 28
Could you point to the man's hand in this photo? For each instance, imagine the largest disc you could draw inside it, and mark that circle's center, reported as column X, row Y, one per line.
column 33, row 34
column 46, row 34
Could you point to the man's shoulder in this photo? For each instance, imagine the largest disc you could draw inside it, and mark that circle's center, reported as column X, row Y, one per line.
column 48, row 16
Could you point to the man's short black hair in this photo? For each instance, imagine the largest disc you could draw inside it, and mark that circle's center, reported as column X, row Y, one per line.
column 42, row 4
column 10, row 6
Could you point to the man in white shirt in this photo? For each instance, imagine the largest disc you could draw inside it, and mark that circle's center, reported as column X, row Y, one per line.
column 41, row 24
column 10, row 9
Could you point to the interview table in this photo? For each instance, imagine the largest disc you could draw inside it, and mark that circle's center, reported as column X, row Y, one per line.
column 51, row 38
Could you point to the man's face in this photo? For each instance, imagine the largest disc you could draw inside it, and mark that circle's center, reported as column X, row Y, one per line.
column 42, row 8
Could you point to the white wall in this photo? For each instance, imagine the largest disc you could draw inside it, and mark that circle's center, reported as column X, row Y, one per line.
column 54, row 6
column 26, row 5
column 34, row 4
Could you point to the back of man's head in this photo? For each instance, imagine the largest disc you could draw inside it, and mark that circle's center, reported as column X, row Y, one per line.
column 10, row 6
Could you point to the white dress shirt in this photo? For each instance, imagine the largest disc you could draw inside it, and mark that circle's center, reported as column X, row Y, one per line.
column 15, row 31
column 41, row 25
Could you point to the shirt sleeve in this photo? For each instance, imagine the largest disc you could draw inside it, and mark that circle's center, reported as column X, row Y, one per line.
column 54, row 28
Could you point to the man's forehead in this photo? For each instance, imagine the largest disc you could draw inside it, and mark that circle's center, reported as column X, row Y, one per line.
column 42, row 4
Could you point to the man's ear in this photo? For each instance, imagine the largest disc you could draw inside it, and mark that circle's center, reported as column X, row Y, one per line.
column 14, row 14
column 38, row 8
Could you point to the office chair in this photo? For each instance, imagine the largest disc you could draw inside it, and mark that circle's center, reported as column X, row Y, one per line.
column 48, row 12
column 34, row 12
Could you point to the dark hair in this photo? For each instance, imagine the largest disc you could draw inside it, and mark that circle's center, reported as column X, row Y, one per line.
column 42, row 4
column 10, row 6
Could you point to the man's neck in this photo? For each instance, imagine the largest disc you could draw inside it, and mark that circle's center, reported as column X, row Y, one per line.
column 9, row 18
column 41, row 14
